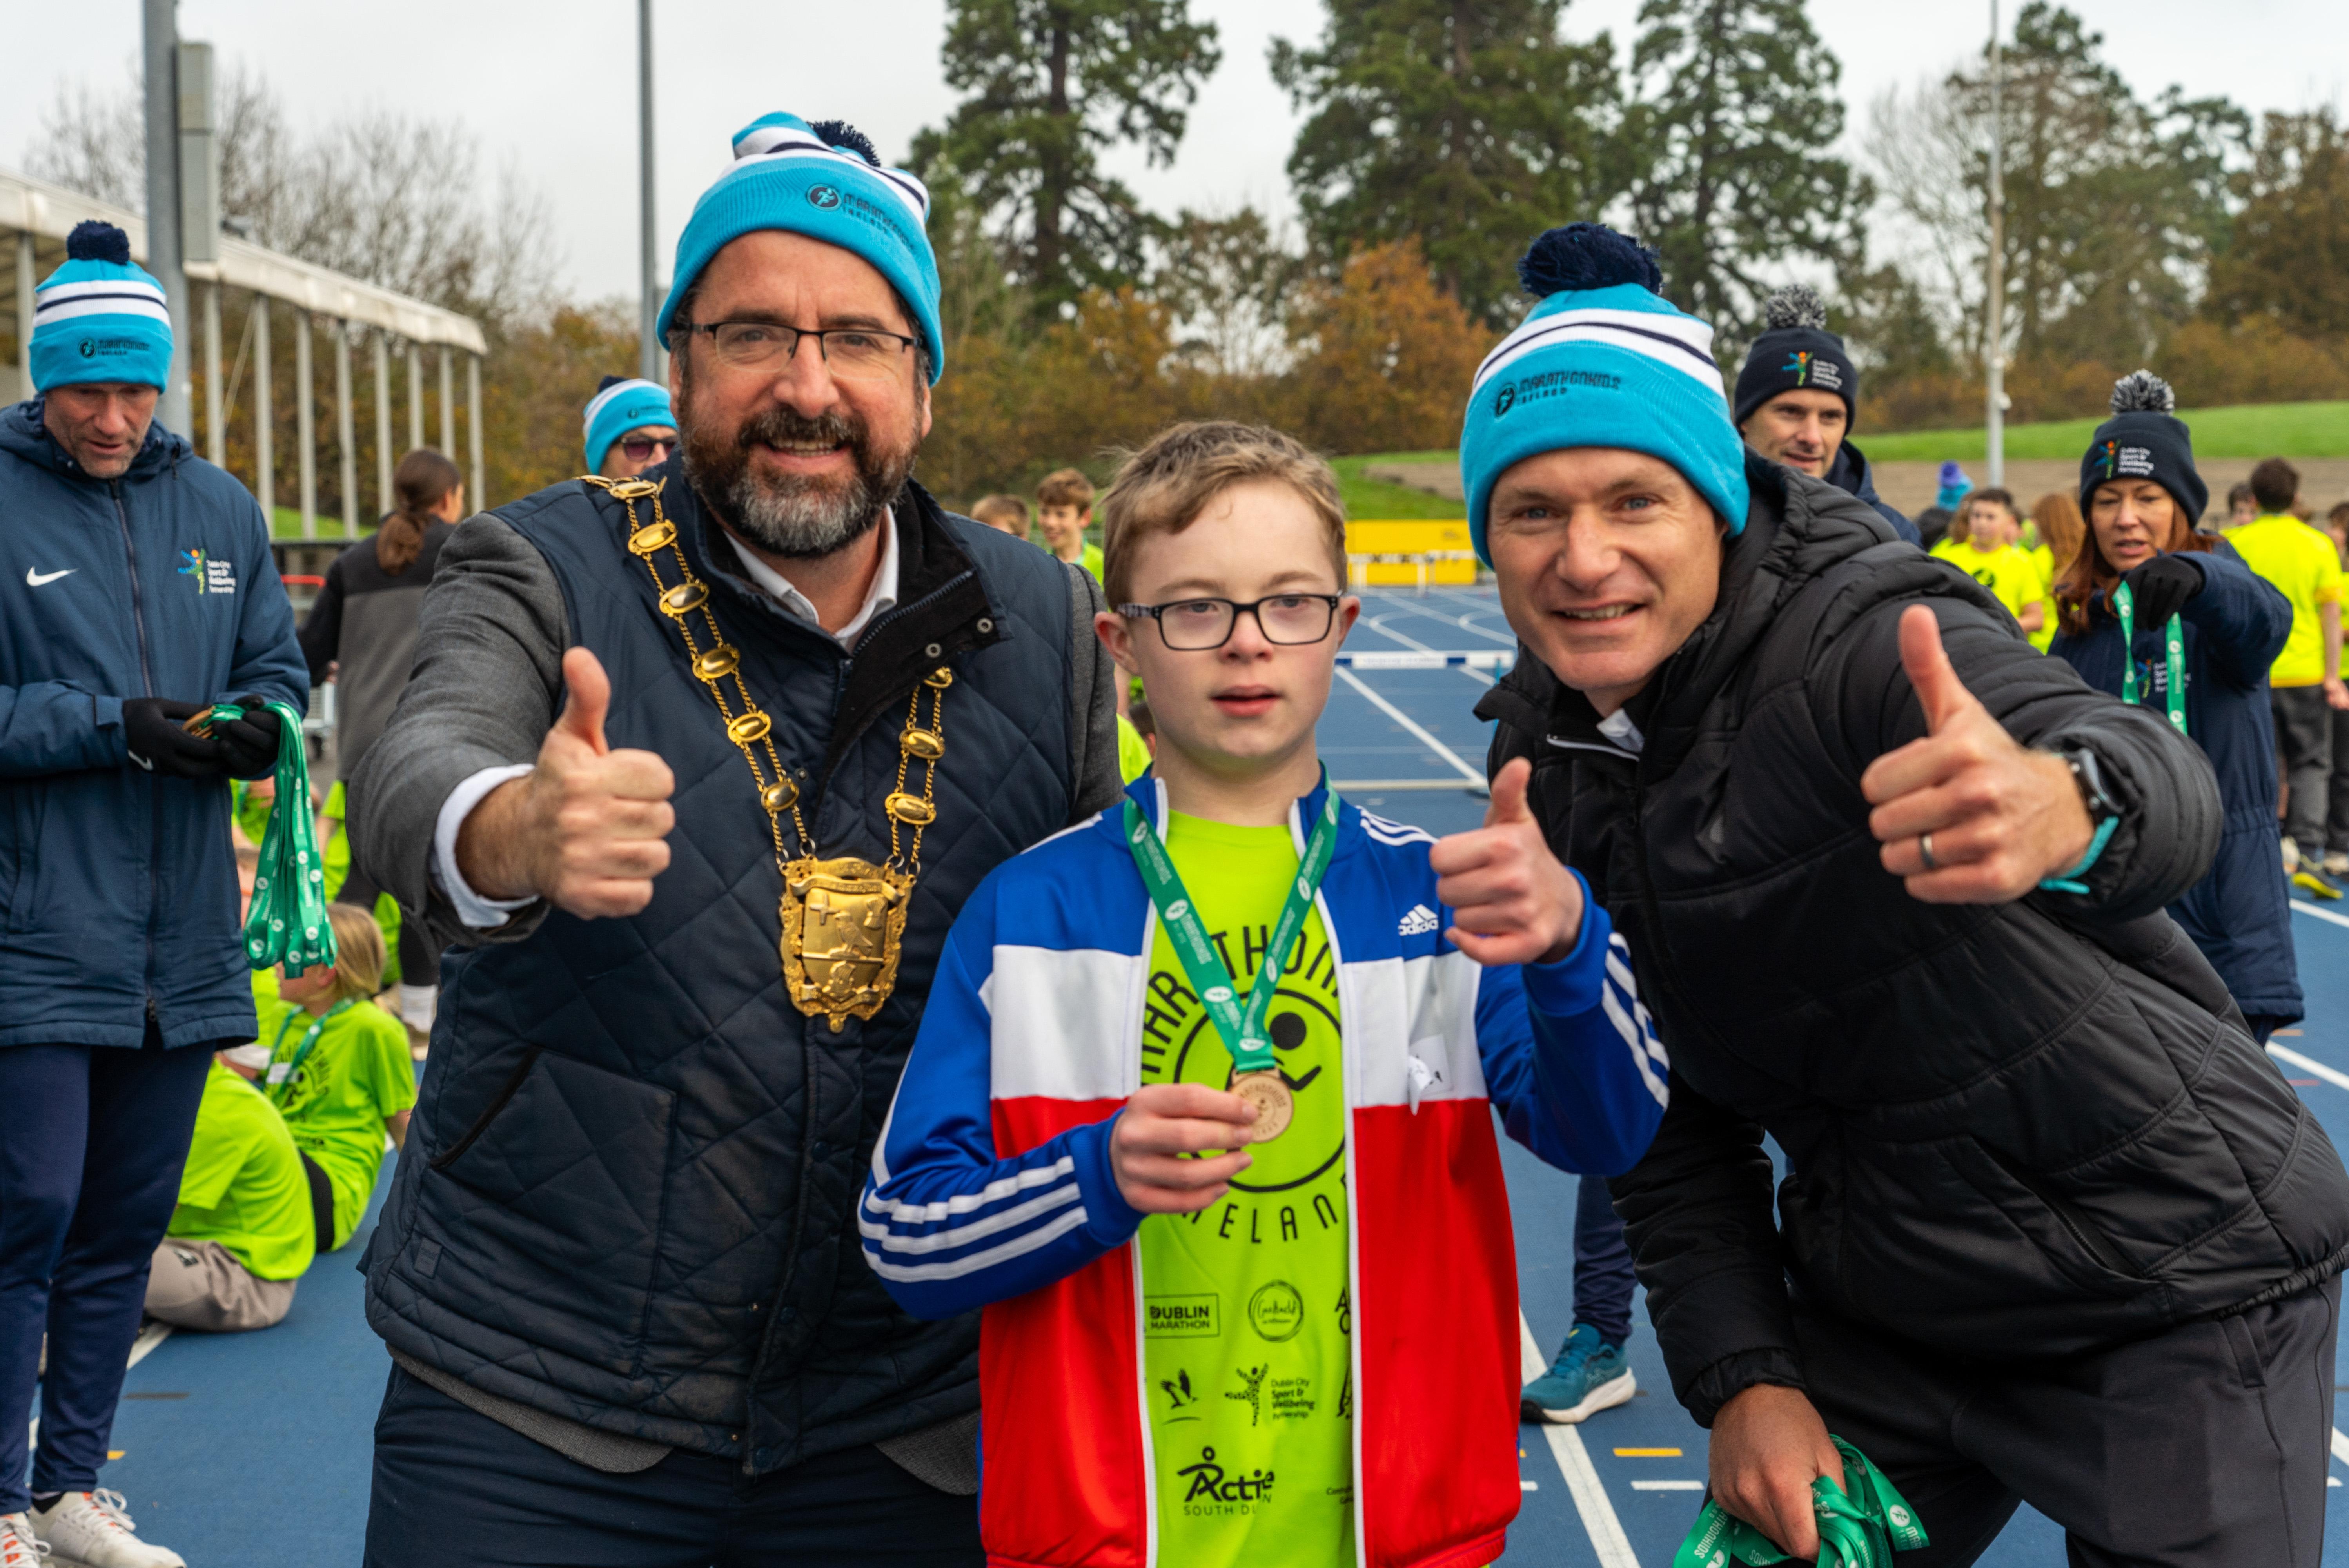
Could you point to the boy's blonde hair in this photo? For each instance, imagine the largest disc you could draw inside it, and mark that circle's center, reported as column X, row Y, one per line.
column 995, row 511
column 359, row 951
column 1066, row 487
column 1166, row 486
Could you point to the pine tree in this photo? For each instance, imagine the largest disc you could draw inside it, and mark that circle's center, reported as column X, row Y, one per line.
column 1737, row 106
column 1050, row 86
column 1467, row 126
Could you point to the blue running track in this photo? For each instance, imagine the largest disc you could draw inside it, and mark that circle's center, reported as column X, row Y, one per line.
column 252, row 1449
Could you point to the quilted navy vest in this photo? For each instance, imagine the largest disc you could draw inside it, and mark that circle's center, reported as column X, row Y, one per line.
column 631, row 1197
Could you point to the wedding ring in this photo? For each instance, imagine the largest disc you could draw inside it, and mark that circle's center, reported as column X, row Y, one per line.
column 1925, row 851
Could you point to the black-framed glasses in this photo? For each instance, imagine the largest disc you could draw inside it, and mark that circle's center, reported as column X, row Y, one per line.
column 1196, row 626
column 853, row 353
column 648, row 448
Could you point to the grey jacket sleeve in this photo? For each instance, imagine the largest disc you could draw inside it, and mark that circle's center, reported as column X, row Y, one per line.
column 1093, row 699
column 487, row 682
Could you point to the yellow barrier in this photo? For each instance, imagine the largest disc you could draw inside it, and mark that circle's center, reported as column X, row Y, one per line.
column 1412, row 536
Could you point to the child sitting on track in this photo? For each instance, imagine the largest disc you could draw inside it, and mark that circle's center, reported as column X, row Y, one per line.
column 243, row 1234
column 339, row 1069
column 1201, row 1106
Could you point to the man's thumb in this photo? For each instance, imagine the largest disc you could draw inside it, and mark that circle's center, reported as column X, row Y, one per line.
column 1938, row 690
column 588, row 696
column 1508, row 802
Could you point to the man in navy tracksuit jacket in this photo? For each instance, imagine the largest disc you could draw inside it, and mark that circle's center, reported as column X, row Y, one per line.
column 136, row 587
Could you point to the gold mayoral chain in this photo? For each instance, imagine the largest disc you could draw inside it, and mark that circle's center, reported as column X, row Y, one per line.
column 844, row 921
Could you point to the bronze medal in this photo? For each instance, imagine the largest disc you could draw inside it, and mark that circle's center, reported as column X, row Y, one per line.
column 1274, row 1104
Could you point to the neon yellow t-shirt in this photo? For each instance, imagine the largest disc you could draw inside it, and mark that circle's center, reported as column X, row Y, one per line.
column 2300, row 563
column 1134, row 757
column 2008, row 572
column 1247, row 1341
column 2044, row 557
column 359, row 1074
column 243, row 1185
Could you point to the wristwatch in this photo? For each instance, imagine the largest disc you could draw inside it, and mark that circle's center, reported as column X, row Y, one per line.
column 2104, row 817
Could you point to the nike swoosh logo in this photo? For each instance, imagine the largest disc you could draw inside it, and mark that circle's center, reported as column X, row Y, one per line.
column 35, row 579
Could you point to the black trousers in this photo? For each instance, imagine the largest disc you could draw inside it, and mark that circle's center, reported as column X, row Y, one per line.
column 2304, row 729
column 451, row 1486
column 2206, row 1444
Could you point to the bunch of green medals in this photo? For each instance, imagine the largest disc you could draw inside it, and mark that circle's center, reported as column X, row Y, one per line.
column 2173, row 649
column 844, row 920
column 287, row 922
column 1255, row 1075
column 1861, row 1524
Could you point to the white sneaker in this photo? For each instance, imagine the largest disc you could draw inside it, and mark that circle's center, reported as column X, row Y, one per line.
column 89, row 1530
column 19, row 1548
column 2337, row 862
column 2291, row 856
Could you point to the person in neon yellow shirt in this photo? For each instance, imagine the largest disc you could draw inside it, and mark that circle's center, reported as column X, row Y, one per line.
column 1990, row 555
column 2304, row 682
column 345, row 1090
column 1064, row 510
column 242, row 1235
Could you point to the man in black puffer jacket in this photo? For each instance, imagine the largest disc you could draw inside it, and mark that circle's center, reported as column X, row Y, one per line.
column 2053, row 1229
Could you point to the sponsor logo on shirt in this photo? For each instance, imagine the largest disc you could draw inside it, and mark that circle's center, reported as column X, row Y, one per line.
column 1209, row 1485
column 1418, row 923
column 211, row 575
column 1182, row 1316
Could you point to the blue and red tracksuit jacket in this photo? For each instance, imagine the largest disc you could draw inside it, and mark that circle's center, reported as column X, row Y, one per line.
column 991, row 1185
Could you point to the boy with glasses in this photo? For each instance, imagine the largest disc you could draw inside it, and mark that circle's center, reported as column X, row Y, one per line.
column 1198, row 1111
column 628, row 428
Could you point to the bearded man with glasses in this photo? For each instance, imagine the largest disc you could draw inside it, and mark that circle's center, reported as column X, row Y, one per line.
column 695, row 769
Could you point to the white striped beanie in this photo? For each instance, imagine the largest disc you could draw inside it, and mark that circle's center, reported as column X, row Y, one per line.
column 1604, row 360
column 823, row 181
column 101, row 316
column 622, row 404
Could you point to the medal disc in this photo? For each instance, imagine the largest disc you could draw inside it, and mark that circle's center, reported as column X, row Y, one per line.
column 1274, row 1104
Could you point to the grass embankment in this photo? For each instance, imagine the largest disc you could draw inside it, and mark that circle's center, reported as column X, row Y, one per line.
column 2244, row 430
column 1366, row 498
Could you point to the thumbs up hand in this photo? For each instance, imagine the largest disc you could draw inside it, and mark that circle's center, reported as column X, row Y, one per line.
column 1511, row 900
column 586, row 828
column 1967, row 814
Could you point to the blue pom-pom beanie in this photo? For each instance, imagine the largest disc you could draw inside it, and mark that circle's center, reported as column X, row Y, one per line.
column 101, row 316
column 621, row 405
column 787, row 176
column 1602, row 361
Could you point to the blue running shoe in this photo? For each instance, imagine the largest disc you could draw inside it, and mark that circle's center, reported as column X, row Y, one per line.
column 1588, row 1376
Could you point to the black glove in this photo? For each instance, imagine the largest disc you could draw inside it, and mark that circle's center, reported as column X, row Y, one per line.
column 154, row 730
column 250, row 744
column 2161, row 587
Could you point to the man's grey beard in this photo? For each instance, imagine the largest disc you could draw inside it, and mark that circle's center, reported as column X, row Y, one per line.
column 797, row 519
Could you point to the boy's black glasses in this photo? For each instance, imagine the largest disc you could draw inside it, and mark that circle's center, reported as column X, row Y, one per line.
column 1195, row 625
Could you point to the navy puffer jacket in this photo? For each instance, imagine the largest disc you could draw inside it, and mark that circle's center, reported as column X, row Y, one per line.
column 118, row 889
column 2240, row 915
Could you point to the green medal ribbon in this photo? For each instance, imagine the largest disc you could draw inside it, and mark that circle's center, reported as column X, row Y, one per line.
column 1860, row 1527
column 281, row 1074
column 2174, row 642
column 1241, row 1029
column 287, row 924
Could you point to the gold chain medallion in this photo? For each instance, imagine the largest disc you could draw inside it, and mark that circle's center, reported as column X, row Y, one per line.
column 844, row 921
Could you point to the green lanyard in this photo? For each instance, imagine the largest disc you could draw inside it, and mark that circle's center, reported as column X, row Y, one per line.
column 1243, row 1030
column 287, row 924
column 281, row 1074
column 2174, row 639
column 1861, row 1528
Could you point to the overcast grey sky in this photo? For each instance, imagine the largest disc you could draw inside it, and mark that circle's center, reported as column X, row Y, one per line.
column 551, row 88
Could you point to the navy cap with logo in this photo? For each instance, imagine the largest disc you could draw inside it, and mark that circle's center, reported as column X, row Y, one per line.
column 2145, row 439
column 1796, row 353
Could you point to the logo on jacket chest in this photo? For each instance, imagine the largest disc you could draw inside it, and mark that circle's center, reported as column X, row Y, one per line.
column 212, row 574
column 1295, row 1186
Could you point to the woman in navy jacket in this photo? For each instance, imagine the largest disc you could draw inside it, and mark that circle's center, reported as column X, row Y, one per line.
column 2140, row 494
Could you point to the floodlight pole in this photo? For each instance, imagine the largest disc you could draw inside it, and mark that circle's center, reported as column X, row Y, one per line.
column 1994, row 328
column 649, row 307
column 161, row 50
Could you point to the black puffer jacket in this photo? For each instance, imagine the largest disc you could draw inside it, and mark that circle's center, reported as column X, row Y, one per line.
column 2024, row 1130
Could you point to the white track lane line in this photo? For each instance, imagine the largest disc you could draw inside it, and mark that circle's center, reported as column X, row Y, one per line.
column 2315, row 913
column 1416, row 729
column 2307, row 1064
column 1582, row 1483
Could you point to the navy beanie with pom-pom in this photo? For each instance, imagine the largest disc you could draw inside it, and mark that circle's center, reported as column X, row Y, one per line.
column 101, row 316
column 1604, row 360
column 2145, row 439
column 1796, row 353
